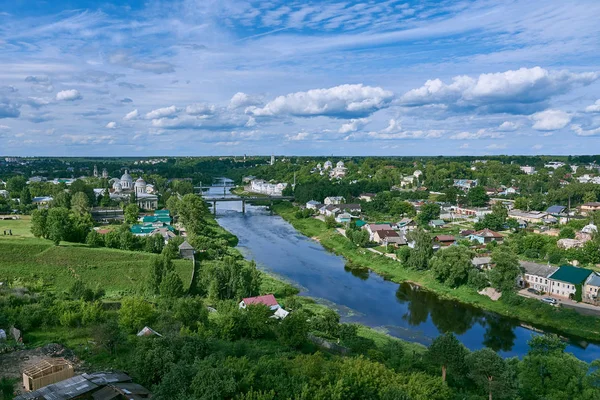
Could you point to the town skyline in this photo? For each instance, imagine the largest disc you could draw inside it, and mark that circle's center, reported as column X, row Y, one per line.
column 394, row 78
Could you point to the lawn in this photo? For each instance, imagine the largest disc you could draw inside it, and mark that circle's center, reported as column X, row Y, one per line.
column 20, row 227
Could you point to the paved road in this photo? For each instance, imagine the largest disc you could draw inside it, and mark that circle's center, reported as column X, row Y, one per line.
column 582, row 308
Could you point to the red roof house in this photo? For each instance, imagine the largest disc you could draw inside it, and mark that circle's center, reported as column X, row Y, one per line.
column 268, row 300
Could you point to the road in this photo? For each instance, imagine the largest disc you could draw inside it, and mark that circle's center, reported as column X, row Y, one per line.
column 583, row 308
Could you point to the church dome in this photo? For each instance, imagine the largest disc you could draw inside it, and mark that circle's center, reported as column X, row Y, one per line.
column 340, row 164
column 117, row 186
column 140, row 182
column 126, row 177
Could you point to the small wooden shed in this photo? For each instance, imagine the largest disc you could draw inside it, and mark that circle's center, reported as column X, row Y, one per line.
column 47, row 372
column 186, row 250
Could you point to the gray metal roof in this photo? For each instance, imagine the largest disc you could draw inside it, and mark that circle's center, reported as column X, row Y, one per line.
column 593, row 280
column 481, row 260
column 536, row 269
column 75, row 386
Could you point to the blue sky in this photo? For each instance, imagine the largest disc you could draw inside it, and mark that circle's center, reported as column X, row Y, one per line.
column 199, row 77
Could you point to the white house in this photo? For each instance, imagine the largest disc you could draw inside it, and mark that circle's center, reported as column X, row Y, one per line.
column 312, row 204
column 537, row 275
column 268, row 300
column 527, row 169
column 334, row 200
column 264, row 187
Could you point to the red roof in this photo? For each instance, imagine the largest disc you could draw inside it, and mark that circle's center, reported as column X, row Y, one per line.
column 487, row 233
column 267, row 300
column 445, row 238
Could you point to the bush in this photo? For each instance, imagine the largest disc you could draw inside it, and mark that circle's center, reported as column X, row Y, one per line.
column 477, row 279
column 135, row 313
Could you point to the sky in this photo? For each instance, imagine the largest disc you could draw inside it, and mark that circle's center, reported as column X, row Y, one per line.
column 229, row 77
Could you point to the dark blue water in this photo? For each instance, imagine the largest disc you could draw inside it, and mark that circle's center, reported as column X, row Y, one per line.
column 364, row 297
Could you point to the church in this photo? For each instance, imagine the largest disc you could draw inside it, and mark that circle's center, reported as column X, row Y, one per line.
column 123, row 188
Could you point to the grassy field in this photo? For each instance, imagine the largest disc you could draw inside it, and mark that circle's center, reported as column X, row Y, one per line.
column 20, row 227
column 532, row 311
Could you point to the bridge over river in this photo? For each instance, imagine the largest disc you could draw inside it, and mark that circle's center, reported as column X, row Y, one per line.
column 244, row 199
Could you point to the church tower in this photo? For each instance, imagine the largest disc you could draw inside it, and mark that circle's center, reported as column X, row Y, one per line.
column 95, row 171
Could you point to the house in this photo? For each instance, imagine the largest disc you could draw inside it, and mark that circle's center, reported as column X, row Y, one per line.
column 465, row 184
column 406, row 224
column 264, row 187
column 482, row 262
column 42, row 201
column 351, row 208
column 186, row 250
column 343, row 218
column 268, row 300
column 485, row 236
column 445, row 240
column 312, row 204
column 334, row 200
column 330, row 210
column 590, row 207
column 466, row 232
column 148, row 229
column 556, row 210
column 563, row 283
column 4, row 193
column 387, row 236
column 554, row 164
column 591, row 288
column 436, row 223
column 368, row 197
column 160, row 219
column 536, row 275
column 527, row 169
column 372, row 228
column 166, row 233
column 478, row 212
column 47, row 372
column 533, row 217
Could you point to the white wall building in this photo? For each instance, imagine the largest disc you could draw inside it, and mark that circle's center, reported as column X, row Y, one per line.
column 264, row 187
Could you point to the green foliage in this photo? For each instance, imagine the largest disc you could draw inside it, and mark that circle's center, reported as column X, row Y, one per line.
column 330, row 222
column 39, row 223
column 448, row 353
column 135, row 313
column 171, row 286
column 94, row 239
column 428, row 212
column 293, row 329
column 451, row 266
column 109, row 336
column 231, row 279
column 359, row 237
column 422, row 251
column 503, row 276
column 567, row 233
column 57, row 224
column 159, row 268
column 191, row 312
column 477, row 197
column 131, row 213
column 80, row 203
column 491, row 374
column 7, row 388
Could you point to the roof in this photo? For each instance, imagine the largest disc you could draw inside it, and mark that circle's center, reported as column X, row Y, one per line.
column 437, row 222
column 481, row 260
column 571, row 274
column 593, row 280
column 445, row 238
column 185, row 246
column 360, row 223
column 532, row 268
column 312, row 202
column 162, row 212
column 386, row 233
column 405, row 221
column 379, row 227
column 41, row 368
column 267, row 299
column 368, row 195
column 76, row 386
column 592, row 204
column 556, row 209
column 156, row 218
column 147, row 331
column 351, row 206
column 147, row 228
column 487, row 233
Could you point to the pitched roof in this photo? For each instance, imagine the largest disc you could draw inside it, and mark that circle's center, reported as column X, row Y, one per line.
column 487, row 233
column 481, row 260
column 386, row 233
column 185, row 246
column 267, row 299
column 162, row 212
column 571, row 274
column 593, row 280
column 445, row 238
column 437, row 222
column 379, row 227
column 360, row 223
column 556, row 209
column 532, row 268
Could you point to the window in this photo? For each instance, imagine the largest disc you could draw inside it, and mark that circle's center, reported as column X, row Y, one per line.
column 546, row 281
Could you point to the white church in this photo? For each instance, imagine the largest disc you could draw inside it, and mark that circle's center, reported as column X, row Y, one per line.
column 144, row 193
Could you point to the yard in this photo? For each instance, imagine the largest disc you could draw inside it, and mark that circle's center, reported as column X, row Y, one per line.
column 20, row 227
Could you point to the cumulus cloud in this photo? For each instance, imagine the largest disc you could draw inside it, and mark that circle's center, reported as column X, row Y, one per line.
column 111, row 125
column 200, row 109
column 165, row 112
column 129, row 85
column 353, row 125
column 521, row 91
column 550, row 120
column 8, row 109
column 218, row 123
column 37, row 102
column 68, row 95
column 394, row 131
column 251, row 122
column 131, row 115
column 126, row 60
column 508, row 126
column 240, row 100
column 594, row 108
column 480, row 134
column 339, row 101
column 578, row 129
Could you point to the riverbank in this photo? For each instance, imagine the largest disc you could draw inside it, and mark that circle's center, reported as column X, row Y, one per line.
column 558, row 320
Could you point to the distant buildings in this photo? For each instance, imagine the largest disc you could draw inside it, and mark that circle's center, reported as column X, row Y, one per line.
column 527, row 169
column 122, row 190
column 465, row 184
column 264, row 187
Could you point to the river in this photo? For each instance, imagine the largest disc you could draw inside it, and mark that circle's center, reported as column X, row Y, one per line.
column 365, row 297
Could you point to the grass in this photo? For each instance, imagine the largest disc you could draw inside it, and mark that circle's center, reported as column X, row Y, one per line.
column 531, row 311
column 21, row 228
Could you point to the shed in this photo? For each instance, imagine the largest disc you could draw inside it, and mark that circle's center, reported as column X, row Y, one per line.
column 268, row 300
column 147, row 331
column 47, row 372
column 437, row 223
column 186, row 250
column 556, row 209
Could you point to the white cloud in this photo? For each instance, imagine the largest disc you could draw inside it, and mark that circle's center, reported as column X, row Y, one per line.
column 165, row 112
column 111, row 125
column 126, row 60
column 511, row 91
column 241, row 99
column 131, row 115
column 338, row 101
column 508, row 126
column 496, row 146
column 480, row 134
column 68, row 95
column 300, row 136
column 594, row 108
column 4, row 127
column 582, row 132
column 394, row 131
column 251, row 122
column 353, row 125
column 37, row 102
column 200, row 109
column 550, row 120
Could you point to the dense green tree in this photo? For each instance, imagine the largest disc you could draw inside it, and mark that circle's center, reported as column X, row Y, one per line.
column 80, row 203
column 428, row 212
column 57, row 224
column 191, row 312
column 359, row 237
column 451, row 265
column 504, row 275
column 39, row 223
column 135, row 313
column 131, row 213
column 62, row 199
column 422, row 250
column 330, row 222
column 448, row 353
column 477, row 197
column 293, row 329
column 154, row 243
column 171, row 286
column 109, row 336
column 25, row 196
column 567, row 232
column 491, row 374
column 94, row 239
column 15, row 185
column 160, row 266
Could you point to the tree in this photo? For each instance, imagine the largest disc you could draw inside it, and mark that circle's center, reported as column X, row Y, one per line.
column 154, row 243
column 521, row 203
column 422, row 251
column 359, row 237
column 25, row 196
column 80, row 204
column 477, row 197
column 39, row 223
column 330, row 222
column 402, row 208
column 109, row 335
column 590, row 197
column 429, row 212
column 135, row 313
column 490, row 372
column 567, row 233
column 448, row 353
column 545, row 345
column 62, row 199
column 131, row 213
column 504, row 275
column 15, row 185
column 191, row 312
column 57, row 224
column 171, row 286
column 451, row 266
column 94, row 239
column 160, row 266
column 293, row 329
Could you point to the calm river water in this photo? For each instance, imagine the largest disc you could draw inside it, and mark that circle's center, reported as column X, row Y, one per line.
column 366, row 298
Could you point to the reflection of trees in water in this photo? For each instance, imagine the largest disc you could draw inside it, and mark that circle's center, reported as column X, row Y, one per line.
column 360, row 273
column 451, row 316
column 499, row 333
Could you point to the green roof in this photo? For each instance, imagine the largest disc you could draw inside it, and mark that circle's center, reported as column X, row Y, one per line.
column 145, row 229
column 156, row 218
column 162, row 212
column 360, row 223
column 438, row 222
column 571, row 274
